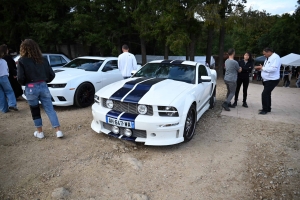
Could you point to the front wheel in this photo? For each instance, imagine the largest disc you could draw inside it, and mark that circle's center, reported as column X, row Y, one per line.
column 84, row 95
column 190, row 124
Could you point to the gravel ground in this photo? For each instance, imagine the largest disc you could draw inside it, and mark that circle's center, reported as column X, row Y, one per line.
column 228, row 158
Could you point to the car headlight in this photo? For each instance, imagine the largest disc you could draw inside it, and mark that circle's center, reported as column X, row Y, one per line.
column 167, row 111
column 109, row 104
column 142, row 109
column 57, row 85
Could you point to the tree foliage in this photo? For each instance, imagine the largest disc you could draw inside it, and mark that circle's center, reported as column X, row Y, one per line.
column 179, row 27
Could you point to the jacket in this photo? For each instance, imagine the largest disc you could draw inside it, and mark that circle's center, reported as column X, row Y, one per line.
column 11, row 66
column 246, row 69
column 31, row 72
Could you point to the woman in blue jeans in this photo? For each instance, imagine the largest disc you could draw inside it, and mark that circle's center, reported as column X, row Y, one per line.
column 7, row 96
column 35, row 72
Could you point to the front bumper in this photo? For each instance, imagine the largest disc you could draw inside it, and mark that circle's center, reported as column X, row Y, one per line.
column 149, row 128
column 59, row 96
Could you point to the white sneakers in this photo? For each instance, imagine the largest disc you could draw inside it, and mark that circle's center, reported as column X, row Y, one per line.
column 40, row 135
column 59, row 134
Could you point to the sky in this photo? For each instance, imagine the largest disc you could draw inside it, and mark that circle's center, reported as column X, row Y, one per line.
column 275, row 7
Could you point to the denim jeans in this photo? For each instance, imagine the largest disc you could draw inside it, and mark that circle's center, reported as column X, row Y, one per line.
column 7, row 95
column 36, row 92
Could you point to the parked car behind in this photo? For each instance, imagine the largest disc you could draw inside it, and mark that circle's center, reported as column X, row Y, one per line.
column 55, row 60
column 76, row 82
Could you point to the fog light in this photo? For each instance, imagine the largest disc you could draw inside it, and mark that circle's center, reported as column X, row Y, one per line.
column 127, row 132
column 115, row 129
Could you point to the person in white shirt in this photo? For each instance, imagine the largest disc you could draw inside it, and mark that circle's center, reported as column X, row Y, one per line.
column 126, row 62
column 270, row 74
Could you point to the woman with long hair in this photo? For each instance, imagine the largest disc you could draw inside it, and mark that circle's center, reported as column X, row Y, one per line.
column 35, row 72
column 243, row 78
column 12, row 72
column 7, row 96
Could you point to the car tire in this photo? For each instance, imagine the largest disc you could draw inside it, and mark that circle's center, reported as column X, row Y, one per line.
column 212, row 100
column 190, row 124
column 84, row 95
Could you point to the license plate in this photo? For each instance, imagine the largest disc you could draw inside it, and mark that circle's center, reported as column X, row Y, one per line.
column 120, row 123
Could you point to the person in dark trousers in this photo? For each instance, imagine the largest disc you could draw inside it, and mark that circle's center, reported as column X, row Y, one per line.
column 35, row 72
column 232, row 69
column 243, row 78
column 12, row 72
column 270, row 73
column 286, row 77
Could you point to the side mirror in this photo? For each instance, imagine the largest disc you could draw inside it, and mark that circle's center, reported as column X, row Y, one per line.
column 204, row 79
column 107, row 68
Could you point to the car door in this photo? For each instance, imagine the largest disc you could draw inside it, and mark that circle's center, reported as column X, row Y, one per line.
column 110, row 73
column 203, row 87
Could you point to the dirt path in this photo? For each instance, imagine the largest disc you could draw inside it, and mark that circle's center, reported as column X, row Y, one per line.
column 228, row 158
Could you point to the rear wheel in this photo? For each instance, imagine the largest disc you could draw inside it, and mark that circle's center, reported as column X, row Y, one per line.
column 190, row 124
column 212, row 100
column 84, row 95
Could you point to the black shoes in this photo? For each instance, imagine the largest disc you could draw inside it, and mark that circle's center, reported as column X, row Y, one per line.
column 225, row 106
column 263, row 112
column 13, row 108
column 245, row 104
column 234, row 104
column 231, row 105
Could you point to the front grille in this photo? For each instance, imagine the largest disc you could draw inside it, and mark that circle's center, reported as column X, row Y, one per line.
column 127, row 107
column 135, row 132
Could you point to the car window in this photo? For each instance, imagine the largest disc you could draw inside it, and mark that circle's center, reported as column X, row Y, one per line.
column 178, row 72
column 202, row 71
column 57, row 60
column 85, row 64
column 112, row 63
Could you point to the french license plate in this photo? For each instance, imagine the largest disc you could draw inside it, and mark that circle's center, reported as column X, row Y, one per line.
column 120, row 123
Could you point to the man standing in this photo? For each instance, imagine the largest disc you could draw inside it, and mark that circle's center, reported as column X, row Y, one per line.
column 126, row 62
column 232, row 68
column 270, row 74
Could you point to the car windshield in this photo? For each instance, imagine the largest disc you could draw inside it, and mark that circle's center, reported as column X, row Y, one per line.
column 178, row 72
column 85, row 64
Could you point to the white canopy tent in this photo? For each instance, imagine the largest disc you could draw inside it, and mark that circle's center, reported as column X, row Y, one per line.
column 291, row 59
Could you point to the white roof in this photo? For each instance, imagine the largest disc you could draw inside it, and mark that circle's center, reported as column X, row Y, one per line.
column 291, row 59
column 96, row 57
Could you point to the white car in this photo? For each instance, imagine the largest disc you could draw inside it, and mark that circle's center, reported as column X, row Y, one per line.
column 55, row 60
column 76, row 82
column 159, row 105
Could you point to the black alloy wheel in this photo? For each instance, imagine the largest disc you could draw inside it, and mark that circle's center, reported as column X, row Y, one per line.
column 84, row 95
column 190, row 124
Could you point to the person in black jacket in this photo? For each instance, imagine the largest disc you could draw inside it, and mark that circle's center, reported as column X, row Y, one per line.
column 12, row 73
column 243, row 78
column 35, row 72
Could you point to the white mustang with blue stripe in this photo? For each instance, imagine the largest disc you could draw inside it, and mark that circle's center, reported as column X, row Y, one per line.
column 159, row 105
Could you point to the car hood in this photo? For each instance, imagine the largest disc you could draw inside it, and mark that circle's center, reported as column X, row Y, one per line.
column 63, row 75
column 161, row 91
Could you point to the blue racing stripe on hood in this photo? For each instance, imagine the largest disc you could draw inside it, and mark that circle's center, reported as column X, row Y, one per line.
column 119, row 94
column 140, row 90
